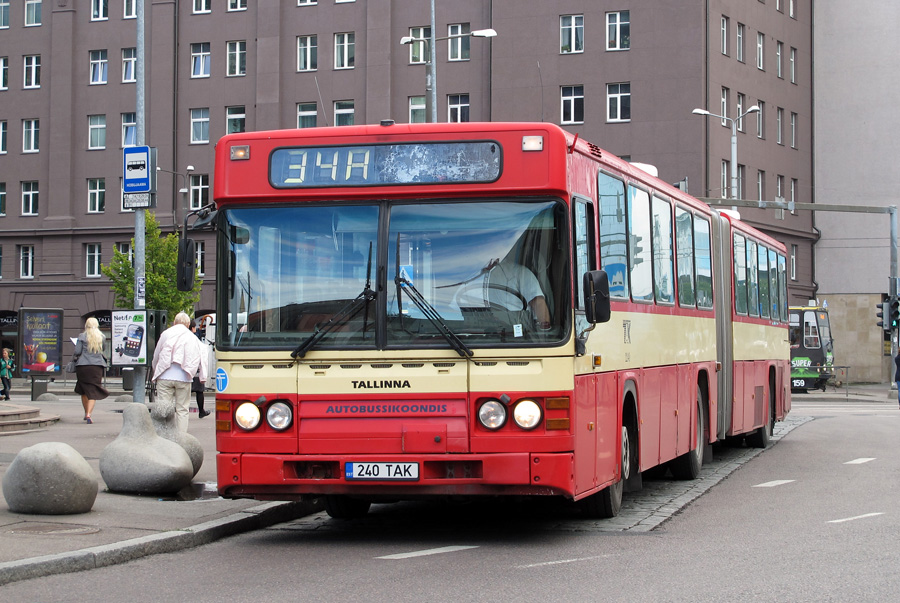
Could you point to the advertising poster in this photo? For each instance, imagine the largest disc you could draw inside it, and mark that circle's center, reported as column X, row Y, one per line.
column 129, row 338
column 40, row 341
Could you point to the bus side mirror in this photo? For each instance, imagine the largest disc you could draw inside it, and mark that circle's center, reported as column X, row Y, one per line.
column 596, row 297
column 187, row 264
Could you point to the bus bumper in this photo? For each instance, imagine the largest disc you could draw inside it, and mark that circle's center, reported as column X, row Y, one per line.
column 290, row 477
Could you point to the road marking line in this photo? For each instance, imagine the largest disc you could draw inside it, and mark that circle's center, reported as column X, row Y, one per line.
column 855, row 518
column 772, row 484
column 443, row 549
column 859, row 461
column 562, row 561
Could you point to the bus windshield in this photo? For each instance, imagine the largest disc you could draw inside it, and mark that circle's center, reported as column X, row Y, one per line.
column 393, row 275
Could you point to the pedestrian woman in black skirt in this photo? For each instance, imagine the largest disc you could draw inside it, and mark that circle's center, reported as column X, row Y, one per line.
column 90, row 365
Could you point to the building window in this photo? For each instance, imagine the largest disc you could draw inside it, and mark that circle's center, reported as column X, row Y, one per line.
column 129, row 9
column 2, row 198
column 92, row 260
column 791, row 7
column 237, row 58
column 96, row 132
column 760, row 47
column 571, row 104
column 31, row 135
column 306, row 115
column 741, row 178
column 200, row 59
column 200, row 126
column 725, row 186
column 618, row 30
column 32, row 66
column 724, row 34
column 200, row 251
column 129, row 65
column 99, row 10
column 571, row 34
column 760, row 185
column 793, row 262
column 96, row 195
column 32, row 13
column 307, row 53
column 761, row 119
column 26, row 261
column 343, row 113
column 793, row 60
column 3, row 137
column 779, row 187
column 417, row 49
column 199, row 190
column 202, row 6
column 126, row 250
column 344, row 50
column 740, row 110
column 618, row 102
column 129, row 129
column 4, row 73
column 724, row 104
column 457, row 108
column 458, row 45
column 235, row 119
column 306, row 2
column 30, row 198
column 4, row 14
column 779, row 51
column 99, row 66
column 237, row 5
column 739, row 43
column 779, row 125
column 793, row 193
column 416, row 109
column 793, row 130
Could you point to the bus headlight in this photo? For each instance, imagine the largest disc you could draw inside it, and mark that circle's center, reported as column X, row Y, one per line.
column 492, row 414
column 527, row 414
column 279, row 416
column 247, row 416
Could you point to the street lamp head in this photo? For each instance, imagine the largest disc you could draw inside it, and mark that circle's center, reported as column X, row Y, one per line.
column 190, row 168
column 699, row 111
column 752, row 109
column 407, row 40
column 484, row 33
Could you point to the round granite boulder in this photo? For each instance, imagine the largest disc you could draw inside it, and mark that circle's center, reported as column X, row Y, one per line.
column 140, row 461
column 50, row 478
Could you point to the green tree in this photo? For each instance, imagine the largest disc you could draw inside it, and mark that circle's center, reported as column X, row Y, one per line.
column 160, row 264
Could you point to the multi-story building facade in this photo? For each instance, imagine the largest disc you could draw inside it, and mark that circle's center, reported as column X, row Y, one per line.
column 625, row 75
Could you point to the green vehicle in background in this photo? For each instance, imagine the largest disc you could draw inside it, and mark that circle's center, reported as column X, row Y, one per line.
column 812, row 348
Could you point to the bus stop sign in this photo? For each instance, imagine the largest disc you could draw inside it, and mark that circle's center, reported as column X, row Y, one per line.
column 139, row 170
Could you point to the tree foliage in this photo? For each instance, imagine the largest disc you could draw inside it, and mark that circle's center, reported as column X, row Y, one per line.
column 160, row 265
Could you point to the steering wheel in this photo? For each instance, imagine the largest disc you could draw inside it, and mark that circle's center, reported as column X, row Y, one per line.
column 509, row 291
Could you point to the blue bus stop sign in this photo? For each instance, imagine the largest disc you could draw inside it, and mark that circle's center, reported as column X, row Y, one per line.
column 137, row 169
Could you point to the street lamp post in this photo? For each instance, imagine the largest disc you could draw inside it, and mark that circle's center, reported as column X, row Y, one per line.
column 734, row 123
column 183, row 190
column 430, row 96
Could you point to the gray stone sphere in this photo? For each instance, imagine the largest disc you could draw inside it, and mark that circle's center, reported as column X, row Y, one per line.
column 50, row 478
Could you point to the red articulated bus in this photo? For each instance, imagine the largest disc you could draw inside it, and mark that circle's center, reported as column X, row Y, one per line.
column 479, row 309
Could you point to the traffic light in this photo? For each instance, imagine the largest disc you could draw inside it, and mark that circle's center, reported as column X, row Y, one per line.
column 637, row 250
column 883, row 314
column 894, row 313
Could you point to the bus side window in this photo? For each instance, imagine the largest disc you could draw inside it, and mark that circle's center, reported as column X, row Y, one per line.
column 740, row 274
column 613, row 251
column 684, row 259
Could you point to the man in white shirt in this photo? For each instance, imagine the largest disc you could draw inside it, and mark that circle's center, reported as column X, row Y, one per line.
column 177, row 358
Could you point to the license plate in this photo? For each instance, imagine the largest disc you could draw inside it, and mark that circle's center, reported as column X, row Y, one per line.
column 382, row 471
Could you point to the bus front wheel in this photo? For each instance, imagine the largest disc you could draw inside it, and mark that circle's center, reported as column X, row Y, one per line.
column 608, row 501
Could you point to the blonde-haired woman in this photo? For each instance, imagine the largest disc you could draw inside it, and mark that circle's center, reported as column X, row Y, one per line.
column 90, row 365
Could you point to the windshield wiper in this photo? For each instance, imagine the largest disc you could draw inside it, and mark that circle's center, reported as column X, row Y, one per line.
column 343, row 315
column 428, row 310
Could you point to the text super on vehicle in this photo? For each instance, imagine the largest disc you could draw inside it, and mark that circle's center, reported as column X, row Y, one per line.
column 478, row 309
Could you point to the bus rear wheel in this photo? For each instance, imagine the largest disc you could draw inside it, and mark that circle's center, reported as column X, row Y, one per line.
column 687, row 466
column 345, row 507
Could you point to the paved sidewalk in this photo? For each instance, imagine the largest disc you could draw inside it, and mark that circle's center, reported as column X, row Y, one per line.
column 120, row 527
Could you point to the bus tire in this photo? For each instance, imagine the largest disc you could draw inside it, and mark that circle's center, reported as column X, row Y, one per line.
column 762, row 436
column 344, row 507
column 608, row 502
column 687, row 466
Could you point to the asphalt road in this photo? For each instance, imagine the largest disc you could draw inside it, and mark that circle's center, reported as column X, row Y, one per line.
column 810, row 519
